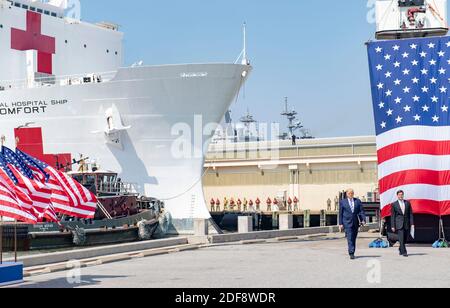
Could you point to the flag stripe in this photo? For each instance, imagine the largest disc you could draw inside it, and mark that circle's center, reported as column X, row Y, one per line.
column 411, row 162
column 409, row 177
column 436, row 148
column 9, row 207
column 417, row 191
column 407, row 133
column 424, row 206
column 73, row 211
column 16, row 213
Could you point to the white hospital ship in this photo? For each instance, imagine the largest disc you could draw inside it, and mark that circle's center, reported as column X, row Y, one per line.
column 151, row 124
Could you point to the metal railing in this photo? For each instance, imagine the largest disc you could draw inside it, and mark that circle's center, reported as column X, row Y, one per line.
column 117, row 188
column 52, row 81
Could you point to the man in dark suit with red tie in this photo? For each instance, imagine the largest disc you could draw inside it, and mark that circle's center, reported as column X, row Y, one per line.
column 351, row 217
column 402, row 220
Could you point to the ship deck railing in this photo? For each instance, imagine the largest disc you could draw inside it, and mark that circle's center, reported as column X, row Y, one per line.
column 43, row 80
column 117, row 188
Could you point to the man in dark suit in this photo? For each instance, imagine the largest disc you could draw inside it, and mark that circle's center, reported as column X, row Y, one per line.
column 402, row 220
column 351, row 217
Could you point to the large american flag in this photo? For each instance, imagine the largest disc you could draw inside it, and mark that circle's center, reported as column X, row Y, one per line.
column 411, row 100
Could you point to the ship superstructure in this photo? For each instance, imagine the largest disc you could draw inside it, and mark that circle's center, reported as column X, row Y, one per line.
column 397, row 19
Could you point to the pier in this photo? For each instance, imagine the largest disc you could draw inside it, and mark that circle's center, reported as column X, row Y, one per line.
column 299, row 262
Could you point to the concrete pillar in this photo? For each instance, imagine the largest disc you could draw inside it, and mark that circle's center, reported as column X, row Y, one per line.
column 245, row 224
column 286, row 222
column 323, row 218
column 200, row 227
column 306, row 219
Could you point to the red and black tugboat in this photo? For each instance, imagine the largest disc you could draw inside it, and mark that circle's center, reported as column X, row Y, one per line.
column 122, row 215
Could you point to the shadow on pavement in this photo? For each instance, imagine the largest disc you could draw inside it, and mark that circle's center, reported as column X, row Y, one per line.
column 417, row 254
column 70, row 282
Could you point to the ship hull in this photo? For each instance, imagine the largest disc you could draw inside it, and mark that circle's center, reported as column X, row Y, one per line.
column 163, row 118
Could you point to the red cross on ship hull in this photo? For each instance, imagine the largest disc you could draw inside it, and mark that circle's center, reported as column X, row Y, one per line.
column 33, row 39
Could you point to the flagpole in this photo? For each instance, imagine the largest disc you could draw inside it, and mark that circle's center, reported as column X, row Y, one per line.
column 2, row 140
column 1, row 240
column 15, row 240
column 15, row 224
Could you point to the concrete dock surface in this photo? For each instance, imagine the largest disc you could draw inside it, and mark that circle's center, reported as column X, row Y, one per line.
column 284, row 264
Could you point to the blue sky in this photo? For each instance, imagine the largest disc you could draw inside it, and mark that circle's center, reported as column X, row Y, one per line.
column 311, row 51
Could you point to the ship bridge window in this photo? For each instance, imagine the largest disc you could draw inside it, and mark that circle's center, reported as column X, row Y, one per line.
column 54, row 14
column 78, row 178
column 47, row 12
column 40, row 11
column 108, row 179
column 89, row 180
column 17, row 4
column 407, row 3
column 24, row 6
column 32, row 8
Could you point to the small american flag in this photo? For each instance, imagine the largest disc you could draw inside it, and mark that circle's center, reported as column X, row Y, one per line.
column 68, row 196
column 411, row 100
column 10, row 206
column 38, row 192
column 13, row 202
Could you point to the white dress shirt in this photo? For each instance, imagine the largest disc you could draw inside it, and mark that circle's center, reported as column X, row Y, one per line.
column 402, row 206
column 352, row 204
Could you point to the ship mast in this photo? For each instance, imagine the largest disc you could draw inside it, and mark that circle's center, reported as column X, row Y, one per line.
column 294, row 124
column 291, row 116
column 243, row 55
column 247, row 120
column 244, row 52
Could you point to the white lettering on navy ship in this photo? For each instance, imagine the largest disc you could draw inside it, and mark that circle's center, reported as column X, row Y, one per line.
column 29, row 107
column 194, row 75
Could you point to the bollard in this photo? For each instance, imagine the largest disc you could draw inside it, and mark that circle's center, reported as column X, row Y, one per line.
column 200, row 227
column 286, row 222
column 307, row 219
column 245, row 224
column 323, row 218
